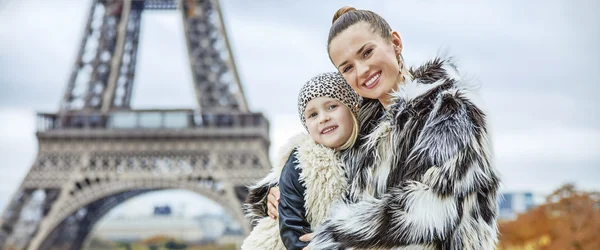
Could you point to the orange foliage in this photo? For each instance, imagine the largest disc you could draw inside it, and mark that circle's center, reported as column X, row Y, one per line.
column 154, row 240
column 569, row 219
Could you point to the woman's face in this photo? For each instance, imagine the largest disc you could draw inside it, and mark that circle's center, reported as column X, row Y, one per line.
column 329, row 122
column 368, row 62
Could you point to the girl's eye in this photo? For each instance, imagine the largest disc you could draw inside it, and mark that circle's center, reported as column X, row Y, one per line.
column 333, row 106
column 311, row 115
column 346, row 69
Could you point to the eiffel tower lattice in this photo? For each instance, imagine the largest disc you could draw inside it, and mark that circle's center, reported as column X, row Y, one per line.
column 96, row 152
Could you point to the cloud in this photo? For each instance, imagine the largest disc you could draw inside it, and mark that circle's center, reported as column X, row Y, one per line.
column 510, row 110
column 38, row 50
column 536, row 61
column 163, row 76
column 17, row 149
column 283, row 127
column 543, row 159
column 569, row 145
column 277, row 62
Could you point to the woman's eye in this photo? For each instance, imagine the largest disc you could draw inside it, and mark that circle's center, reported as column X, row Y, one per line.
column 367, row 52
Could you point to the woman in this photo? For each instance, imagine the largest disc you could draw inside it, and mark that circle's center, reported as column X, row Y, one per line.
column 421, row 174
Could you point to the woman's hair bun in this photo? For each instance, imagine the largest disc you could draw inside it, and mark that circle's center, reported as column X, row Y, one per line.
column 341, row 11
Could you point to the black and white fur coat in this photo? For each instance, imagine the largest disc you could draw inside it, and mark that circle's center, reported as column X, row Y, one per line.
column 323, row 176
column 422, row 173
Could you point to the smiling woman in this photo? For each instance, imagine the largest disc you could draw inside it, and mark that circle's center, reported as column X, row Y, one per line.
column 423, row 164
column 364, row 48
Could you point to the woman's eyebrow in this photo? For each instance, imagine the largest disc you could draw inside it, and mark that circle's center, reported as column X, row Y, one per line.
column 357, row 52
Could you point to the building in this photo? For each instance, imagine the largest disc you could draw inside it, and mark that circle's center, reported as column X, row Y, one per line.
column 133, row 229
column 164, row 222
column 510, row 204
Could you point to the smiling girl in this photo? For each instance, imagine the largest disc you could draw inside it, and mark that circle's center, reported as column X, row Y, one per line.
column 313, row 177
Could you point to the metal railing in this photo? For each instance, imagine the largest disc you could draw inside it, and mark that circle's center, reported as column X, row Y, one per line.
column 149, row 119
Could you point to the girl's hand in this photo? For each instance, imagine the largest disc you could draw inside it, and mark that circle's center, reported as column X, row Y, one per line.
column 306, row 238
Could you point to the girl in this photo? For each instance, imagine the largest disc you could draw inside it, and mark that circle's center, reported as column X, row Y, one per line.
column 312, row 177
column 421, row 174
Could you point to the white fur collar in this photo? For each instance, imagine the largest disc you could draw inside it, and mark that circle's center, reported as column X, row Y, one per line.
column 324, row 178
column 325, row 181
column 414, row 88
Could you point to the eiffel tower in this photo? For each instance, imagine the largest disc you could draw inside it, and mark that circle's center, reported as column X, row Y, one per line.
column 96, row 152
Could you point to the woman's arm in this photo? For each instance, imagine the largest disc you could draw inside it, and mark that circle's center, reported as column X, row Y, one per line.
column 454, row 148
column 292, row 214
column 273, row 202
column 255, row 205
column 263, row 198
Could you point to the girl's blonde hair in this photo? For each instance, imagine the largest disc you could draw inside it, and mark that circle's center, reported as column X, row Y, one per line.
column 353, row 136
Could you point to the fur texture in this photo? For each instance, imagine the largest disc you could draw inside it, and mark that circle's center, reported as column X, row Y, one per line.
column 322, row 175
column 255, row 206
column 264, row 236
column 421, row 174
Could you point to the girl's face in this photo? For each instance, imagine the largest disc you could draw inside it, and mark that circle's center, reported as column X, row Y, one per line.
column 329, row 122
column 368, row 62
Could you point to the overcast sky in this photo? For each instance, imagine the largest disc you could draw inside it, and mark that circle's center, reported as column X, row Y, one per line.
column 537, row 62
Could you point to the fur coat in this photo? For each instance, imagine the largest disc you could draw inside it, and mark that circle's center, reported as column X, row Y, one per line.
column 323, row 176
column 422, row 173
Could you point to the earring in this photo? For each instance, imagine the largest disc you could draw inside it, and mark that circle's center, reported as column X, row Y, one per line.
column 398, row 50
column 401, row 64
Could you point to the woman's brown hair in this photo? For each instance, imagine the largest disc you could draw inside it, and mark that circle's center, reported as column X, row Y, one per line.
column 348, row 16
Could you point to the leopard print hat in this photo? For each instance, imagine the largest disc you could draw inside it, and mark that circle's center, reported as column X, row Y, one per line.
column 332, row 85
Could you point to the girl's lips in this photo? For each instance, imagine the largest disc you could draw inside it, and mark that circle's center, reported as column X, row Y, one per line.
column 329, row 130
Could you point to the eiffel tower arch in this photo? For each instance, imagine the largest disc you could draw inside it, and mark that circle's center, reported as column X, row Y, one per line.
column 96, row 151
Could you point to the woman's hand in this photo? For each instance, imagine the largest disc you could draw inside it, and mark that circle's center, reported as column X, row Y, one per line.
column 273, row 202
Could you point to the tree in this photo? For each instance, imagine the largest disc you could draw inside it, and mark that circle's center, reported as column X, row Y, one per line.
column 174, row 245
column 570, row 219
column 125, row 245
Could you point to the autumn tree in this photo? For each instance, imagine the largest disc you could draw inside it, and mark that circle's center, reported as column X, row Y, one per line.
column 569, row 219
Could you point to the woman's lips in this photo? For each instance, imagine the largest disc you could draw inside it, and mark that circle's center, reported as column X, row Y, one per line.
column 372, row 80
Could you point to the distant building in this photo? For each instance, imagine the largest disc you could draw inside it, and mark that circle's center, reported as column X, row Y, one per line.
column 131, row 229
column 511, row 204
column 164, row 222
column 162, row 210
